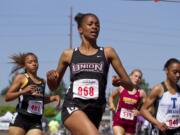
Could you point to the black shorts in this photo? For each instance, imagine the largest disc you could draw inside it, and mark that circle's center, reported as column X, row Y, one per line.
column 26, row 122
column 93, row 113
column 171, row 132
column 156, row 131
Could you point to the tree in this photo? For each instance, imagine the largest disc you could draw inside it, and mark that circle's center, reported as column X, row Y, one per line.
column 144, row 85
column 61, row 90
column 3, row 91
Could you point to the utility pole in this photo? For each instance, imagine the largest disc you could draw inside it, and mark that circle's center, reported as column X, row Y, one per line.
column 71, row 26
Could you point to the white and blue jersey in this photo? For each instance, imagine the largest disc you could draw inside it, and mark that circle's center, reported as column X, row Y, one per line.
column 168, row 110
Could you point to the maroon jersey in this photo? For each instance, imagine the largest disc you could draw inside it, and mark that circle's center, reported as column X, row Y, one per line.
column 127, row 103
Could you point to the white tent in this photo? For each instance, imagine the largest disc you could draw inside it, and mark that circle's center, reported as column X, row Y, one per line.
column 6, row 117
column 5, row 120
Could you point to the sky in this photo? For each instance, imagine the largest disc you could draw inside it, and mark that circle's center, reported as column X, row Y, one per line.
column 145, row 34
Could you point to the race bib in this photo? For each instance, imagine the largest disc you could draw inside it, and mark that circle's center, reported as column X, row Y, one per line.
column 35, row 107
column 86, row 89
column 126, row 114
column 173, row 122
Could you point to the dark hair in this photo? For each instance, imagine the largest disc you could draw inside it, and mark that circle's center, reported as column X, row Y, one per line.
column 170, row 61
column 19, row 60
column 80, row 16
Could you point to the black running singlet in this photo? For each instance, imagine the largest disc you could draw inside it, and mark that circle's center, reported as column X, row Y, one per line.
column 29, row 104
column 88, row 79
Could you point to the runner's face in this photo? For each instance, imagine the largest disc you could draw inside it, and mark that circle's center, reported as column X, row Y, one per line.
column 173, row 72
column 31, row 63
column 90, row 27
column 136, row 77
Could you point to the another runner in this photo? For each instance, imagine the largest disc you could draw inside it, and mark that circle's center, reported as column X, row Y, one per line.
column 29, row 89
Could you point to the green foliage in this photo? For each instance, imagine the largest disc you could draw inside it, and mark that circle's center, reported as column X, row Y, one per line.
column 60, row 90
column 50, row 111
column 144, row 85
column 116, row 99
column 7, row 108
column 3, row 91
